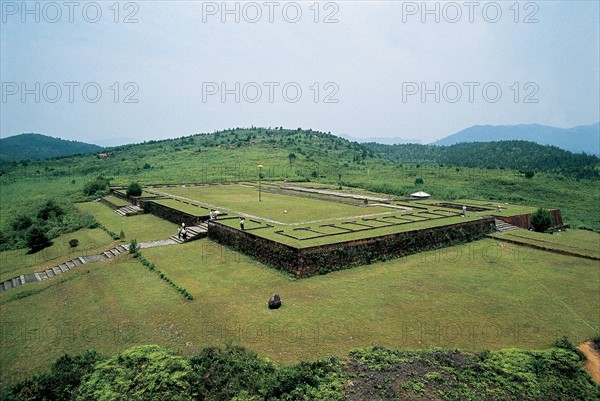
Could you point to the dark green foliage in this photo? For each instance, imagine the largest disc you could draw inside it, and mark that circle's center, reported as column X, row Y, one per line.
column 234, row 373
column 529, row 174
column 541, row 220
column 37, row 239
column 134, row 189
column 50, row 210
column 36, row 146
column 146, row 372
column 97, row 187
column 517, row 155
column 21, row 223
column 220, row 374
column 73, row 242
column 122, row 235
column 564, row 343
column 419, row 181
column 60, row 384
column 133, row 246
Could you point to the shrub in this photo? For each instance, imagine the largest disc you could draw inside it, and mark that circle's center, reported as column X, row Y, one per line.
column 419, row 181
column 134, row 189
column 73, row 242
column 564, row 343
column 145, row 372
column 50, row 210
column 97, row 187
column 541, row 220
column 133, row 246
column 122, row 235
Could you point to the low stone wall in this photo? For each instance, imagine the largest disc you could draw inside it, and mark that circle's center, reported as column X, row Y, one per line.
column 524, row 220
column 170, row 214
column 108, row 203
column 305, row 262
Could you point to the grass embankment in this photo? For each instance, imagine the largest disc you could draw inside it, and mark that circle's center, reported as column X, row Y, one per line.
column 576, row 241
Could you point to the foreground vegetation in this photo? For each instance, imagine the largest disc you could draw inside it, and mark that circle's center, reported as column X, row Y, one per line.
column 375, row 373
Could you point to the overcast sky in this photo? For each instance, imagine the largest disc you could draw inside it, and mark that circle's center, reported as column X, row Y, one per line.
column 113, row 73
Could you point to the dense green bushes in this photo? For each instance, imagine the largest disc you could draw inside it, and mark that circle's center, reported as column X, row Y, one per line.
column 233, row 373
column 37, row 226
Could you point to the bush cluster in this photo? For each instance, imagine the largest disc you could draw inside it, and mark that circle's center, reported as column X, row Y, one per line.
column 150, row 372
column 152, row 267
column 35, row 228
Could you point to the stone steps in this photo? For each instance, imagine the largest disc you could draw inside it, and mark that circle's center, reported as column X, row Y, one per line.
column 504, row 226
column 193, row 233
column 129, row 210
column 59, row 269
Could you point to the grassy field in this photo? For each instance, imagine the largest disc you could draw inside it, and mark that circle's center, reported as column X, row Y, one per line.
column 475, row 296
column 577, row 241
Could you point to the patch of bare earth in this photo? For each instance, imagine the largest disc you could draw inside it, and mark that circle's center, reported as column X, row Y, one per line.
column 592, row 354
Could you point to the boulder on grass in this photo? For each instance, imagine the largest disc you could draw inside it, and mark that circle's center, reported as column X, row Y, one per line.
column 275, row 302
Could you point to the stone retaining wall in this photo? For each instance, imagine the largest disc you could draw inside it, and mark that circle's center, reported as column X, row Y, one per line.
column 305, row 262
column 170, row 214
column 524, row 220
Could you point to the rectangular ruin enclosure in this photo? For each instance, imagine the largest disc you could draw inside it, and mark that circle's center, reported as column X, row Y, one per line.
column 299, row 222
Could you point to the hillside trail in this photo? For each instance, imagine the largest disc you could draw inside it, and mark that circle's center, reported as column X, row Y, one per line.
column 592, row 365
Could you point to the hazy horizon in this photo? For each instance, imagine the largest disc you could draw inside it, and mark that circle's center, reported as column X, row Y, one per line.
column 116, row 73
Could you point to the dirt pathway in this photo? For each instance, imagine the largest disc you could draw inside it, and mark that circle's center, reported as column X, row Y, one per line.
column 592, row 364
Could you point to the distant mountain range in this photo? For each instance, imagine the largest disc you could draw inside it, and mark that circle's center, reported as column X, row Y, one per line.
column 585, row 138
column 37, row 147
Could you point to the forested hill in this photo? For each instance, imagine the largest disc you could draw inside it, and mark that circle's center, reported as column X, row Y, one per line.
column 37, row 147
column 517, row 155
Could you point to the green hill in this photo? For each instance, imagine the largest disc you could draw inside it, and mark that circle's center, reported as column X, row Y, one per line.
column 37, row 146
column 516, row 155
column 307, row 155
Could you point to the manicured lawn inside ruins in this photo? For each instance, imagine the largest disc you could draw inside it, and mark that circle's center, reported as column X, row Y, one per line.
column 302, row 218
column 481, row 295
column 144, row 227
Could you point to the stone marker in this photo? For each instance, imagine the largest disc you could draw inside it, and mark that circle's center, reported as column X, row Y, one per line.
column 275, row 302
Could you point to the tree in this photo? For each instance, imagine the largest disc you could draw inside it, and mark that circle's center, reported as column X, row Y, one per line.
column 50, row 210
column 541, row 220
column 292, row 157
column 134, row 189
column 37, row 238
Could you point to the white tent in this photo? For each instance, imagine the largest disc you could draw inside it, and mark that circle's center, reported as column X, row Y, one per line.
column 421, row 195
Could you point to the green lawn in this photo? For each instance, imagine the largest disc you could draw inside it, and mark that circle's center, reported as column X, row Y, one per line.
column 20, row 261
column 578, row 241
column 474, row 296
column 143, row 227
column 244, row 198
